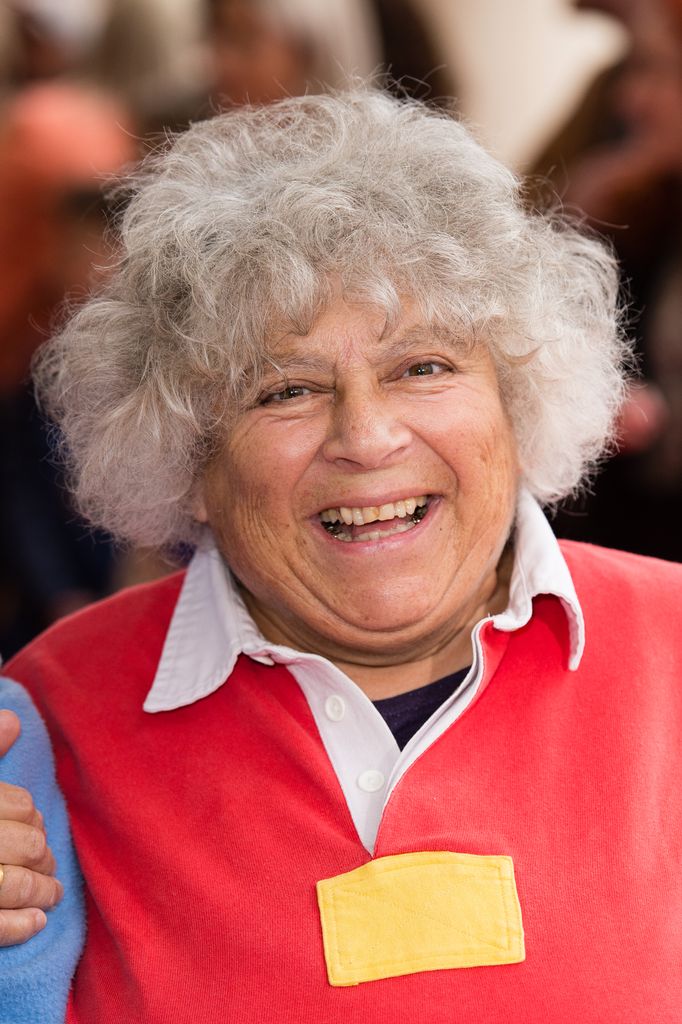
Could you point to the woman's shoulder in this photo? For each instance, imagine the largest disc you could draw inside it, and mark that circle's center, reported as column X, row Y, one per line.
column 99, row 642
column 618, row 563
column 636, row 581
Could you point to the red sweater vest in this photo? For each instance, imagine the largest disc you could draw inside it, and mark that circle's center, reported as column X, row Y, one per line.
column 203, row 831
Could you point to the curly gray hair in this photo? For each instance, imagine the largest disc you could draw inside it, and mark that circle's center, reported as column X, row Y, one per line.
column 239, row 228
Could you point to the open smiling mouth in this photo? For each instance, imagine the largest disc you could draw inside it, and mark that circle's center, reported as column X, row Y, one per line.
column 351, row 524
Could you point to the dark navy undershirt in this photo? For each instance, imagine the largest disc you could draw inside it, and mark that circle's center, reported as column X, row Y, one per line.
column 407, row 712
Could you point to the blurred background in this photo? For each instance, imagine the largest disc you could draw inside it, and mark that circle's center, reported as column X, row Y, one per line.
column 582, row 98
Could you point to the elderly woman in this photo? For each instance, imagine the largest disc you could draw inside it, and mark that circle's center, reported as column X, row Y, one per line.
column 384, row 726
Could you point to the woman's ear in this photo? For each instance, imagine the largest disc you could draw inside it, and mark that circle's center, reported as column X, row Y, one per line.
column 199, row 510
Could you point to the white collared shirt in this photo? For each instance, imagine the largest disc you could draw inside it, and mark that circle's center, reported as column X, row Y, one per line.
column 360, row 745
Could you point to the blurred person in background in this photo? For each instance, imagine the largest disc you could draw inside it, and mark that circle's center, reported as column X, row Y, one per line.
column 148, row 53
column 620, row 161
column 58, row 142
column 264, row 50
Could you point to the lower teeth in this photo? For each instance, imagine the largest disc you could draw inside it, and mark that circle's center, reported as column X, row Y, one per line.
column 378, row 534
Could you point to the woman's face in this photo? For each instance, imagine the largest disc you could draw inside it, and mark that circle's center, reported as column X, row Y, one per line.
column 365, row 424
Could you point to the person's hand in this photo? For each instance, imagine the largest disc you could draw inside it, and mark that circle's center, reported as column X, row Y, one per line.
column 27, row 867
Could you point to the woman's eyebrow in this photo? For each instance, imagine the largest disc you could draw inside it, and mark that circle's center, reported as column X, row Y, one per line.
column 389, row 346
column 423, row 335
column 286, row 363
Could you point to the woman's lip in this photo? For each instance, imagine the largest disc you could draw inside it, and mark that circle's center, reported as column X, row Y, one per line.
column 390, row 538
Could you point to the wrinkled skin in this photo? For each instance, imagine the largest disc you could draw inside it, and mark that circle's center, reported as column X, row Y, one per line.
column 365, row 416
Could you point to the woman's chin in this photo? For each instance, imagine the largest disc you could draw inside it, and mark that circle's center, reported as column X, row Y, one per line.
column 385, row 626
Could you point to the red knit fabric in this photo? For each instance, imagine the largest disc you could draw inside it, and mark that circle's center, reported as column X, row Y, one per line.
column 203, row 831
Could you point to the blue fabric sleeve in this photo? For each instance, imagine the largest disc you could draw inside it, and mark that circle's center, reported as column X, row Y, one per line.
column 35, row 977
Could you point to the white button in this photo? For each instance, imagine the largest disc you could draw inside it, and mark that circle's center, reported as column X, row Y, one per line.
column 371, row 781
column 335, row 707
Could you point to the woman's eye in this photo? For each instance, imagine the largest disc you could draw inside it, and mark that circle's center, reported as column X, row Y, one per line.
column 424, row 369
column 285, row 394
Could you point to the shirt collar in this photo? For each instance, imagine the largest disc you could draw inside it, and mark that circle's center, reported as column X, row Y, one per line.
column 540, row 568
column 211, row 626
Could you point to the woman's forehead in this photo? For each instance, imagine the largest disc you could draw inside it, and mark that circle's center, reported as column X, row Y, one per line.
column 346, row 326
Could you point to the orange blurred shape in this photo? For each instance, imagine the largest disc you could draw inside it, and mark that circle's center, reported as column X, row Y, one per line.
column 57, row 140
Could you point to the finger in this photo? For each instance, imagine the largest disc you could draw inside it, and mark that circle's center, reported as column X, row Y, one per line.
column 25, row 846
column 10, row 728
column 20, row 925
column 23, row 888
column 16, row 803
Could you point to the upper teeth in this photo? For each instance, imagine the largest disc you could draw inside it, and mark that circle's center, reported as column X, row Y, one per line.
column 354, row 516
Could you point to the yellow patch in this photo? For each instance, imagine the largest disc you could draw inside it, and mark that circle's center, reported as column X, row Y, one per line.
column 420, row 912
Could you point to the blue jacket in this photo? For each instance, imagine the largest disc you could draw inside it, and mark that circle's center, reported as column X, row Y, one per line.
column 35, row 977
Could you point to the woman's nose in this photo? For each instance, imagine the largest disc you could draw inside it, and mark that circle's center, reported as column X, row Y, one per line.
column 365, row 430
